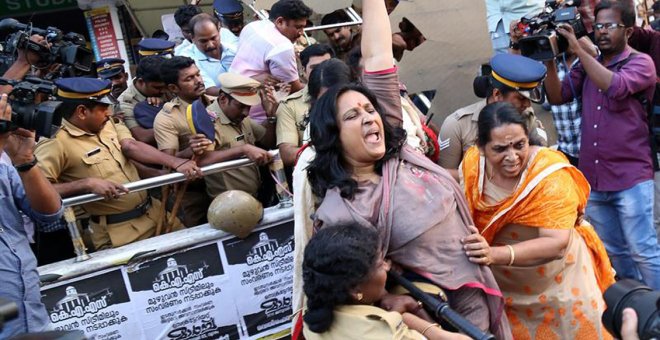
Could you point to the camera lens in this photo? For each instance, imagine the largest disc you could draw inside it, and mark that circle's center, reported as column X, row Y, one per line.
column 632, row 294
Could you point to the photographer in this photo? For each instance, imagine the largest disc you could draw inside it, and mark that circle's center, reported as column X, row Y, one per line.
column 21, row 67
column 615, row 153
column 25, row 189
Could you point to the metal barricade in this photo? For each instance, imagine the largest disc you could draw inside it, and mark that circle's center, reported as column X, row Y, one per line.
column 145, row 184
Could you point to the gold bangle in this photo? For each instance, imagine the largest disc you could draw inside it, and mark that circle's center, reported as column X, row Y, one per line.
column 512, row 255
column 429, row 327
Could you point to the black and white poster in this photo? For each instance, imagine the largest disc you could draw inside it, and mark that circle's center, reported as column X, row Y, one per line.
column 183, row 296
column 99, row 305
column 261, row 268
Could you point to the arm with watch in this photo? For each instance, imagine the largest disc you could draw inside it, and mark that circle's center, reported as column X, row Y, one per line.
column 39, row 194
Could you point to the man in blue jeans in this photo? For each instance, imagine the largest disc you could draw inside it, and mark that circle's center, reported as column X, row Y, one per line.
column 615, row 153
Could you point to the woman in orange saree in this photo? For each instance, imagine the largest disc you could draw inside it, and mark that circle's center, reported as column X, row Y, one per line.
column 527, row 203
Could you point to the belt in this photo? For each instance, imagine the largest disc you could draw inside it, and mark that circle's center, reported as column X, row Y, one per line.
column 125, row 216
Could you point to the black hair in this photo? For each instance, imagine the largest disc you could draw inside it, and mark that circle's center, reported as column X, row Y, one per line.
column 656, row 7
column 184, row 13
column 169, row 70
column 289, row 10
column 337, row 17
column 148, row 68
column 315, row 50
column 484, row 86
column 626, row 11
column 327, row 170
column 327, row 74
column 353, row 60
column 68, row 106
column 202, row 18
column 337, row 259
column 495, row 115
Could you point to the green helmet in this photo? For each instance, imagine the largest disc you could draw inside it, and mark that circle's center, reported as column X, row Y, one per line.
column 235, row 212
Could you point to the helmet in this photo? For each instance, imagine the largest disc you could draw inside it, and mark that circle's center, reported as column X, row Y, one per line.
column 235, row 212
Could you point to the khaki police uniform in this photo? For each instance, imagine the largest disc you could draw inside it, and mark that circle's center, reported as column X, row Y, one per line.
column 74, row 154
column 459, row 132
column 127, row 102
column 364, row 322
column 291, row 122
column 229, row 135
column 171, row 131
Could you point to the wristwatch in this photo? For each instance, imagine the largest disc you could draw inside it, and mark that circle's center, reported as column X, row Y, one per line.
column 272, row 120
column 26, row 166
column 514, row 45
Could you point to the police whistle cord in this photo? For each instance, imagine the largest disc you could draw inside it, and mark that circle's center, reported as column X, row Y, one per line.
column 441, row 309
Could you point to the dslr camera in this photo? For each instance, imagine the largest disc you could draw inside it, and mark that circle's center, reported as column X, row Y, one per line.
column 646, row 303
column 43, row 118
column 66, row 49
column 541, row 41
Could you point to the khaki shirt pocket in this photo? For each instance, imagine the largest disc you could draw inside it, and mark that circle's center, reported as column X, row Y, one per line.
column 95, row 165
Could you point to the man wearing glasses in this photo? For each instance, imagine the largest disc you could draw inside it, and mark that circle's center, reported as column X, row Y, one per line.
column 615, row 153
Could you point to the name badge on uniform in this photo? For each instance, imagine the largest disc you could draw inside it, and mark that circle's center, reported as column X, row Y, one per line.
column 240, row 138
column 93, row 152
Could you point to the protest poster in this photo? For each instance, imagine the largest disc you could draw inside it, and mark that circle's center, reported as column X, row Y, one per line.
column 261, row 268
column 98, row 304
column 183, row 296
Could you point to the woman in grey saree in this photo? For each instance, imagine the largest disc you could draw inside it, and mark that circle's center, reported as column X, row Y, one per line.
column 363, row 173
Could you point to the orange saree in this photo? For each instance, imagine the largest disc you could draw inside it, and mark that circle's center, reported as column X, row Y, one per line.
column 560, row 299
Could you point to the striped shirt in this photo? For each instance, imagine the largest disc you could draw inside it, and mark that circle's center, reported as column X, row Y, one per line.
column 567, row 118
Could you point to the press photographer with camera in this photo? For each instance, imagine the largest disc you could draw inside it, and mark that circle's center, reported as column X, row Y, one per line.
column 615, row 153
column 53, row 53
column 24, row 189
column 566, row 117
column 23, row 63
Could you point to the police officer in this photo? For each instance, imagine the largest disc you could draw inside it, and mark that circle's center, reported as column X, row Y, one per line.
column 172, row 132
column 292, row 111
column 230, row 14
column 93, row 154
column 515, row 79
column 146, row 87
column 153, row 46
column 113, row 69
column 236, row 136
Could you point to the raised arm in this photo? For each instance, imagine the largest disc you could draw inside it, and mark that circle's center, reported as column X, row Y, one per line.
column 376, row 36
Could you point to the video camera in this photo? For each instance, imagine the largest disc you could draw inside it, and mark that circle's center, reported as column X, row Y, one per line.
column 26, row 114
column 66, row 49
column 645, row 302
column 542, row 42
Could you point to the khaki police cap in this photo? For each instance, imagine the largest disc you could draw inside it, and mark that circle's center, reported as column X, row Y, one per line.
column 241, row 88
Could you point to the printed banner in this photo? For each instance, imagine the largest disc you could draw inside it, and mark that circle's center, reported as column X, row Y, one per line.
column 227, row 289
column 99, row 305
column 182, row 296
column 261, row 268
column 102, row 33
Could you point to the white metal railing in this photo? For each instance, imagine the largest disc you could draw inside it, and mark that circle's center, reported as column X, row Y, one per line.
column 144, row 184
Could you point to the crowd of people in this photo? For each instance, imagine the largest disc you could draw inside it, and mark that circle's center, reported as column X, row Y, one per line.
column 519, row 237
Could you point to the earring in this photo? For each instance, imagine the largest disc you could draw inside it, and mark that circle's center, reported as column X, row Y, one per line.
column 359, row 296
